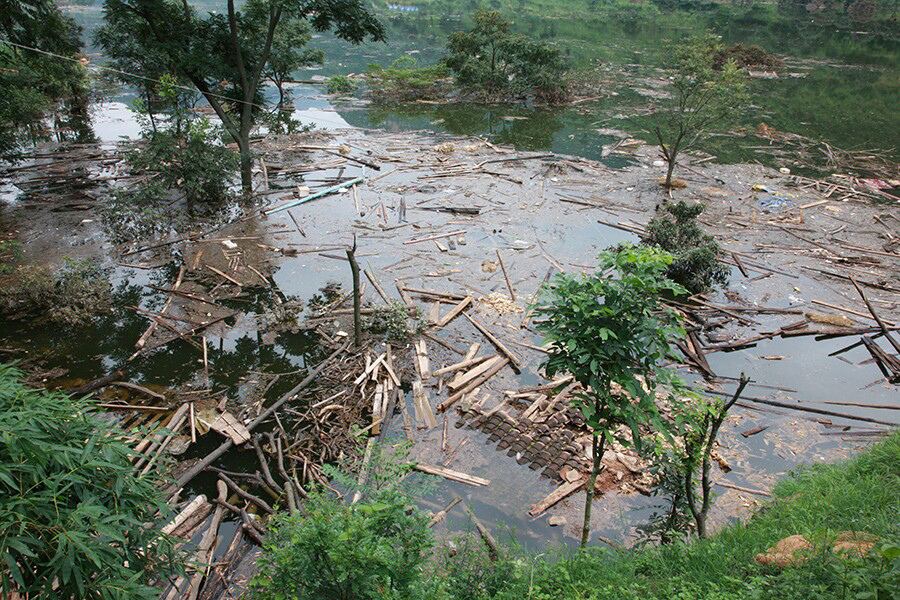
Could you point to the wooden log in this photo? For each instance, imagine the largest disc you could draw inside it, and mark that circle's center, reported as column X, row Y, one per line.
column 434, row 237
column 443, row 343
column 472, row 385
column 441, row 295
column 226, row 276
column 460, row 365
column 560, row 493
column 464, row 378
column 194, row 507
column 881, row 324
column 377, row 286
column 423, row 406
column 485, row 533
column 512, row 294
column 139, row 388
column 246, row 495
column 506, row 351
column 743, row 489
column 442, row 514
column 98, row 383
column 452, row 475
column 454, row 312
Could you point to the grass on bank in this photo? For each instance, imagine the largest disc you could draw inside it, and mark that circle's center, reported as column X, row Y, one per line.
column 819, row 502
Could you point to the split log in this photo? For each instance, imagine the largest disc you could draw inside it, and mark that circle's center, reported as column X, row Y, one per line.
column 472, row 385
column 460, row 365
column 454, row 312
column 230, row 427
column 422, row 405
column 503, row 349
column 452, row 475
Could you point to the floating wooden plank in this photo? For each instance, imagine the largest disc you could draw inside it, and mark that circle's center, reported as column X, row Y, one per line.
column 423, row 406
column 140, row 389
column 434, row 237
column 452, row 475
column 464, row 378
column 228, row 277
column 557, row 495
column 472, row 385
column 230, row 427
column 460, row 365
column 493, row 340
column 195, row 506
column 455, row 312
column 422, row 362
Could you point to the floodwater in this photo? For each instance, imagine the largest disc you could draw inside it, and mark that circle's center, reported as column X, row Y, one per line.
column 847, row 96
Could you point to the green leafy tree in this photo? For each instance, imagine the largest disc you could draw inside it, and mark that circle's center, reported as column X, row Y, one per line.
column 492, row 62
column 75, row 519
column 373, row 548
column 696, row 265
column 611, row 332
column 226, row 56
column 182, row 150
column 703, row 97
column 31, row 82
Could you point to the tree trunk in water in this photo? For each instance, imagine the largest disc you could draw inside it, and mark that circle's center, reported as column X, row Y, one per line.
column 246, row 172
column 671, row 167
column 596, row 454
column 354, row 270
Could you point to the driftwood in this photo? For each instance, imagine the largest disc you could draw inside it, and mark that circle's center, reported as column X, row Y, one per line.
column 98, row 383
column 442, row 514
column 485, row 533
column 560, row 493
column 452, row 475
column 506, row 351
column 198, row 468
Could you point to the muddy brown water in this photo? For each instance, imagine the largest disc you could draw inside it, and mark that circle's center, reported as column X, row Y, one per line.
column 523, row 216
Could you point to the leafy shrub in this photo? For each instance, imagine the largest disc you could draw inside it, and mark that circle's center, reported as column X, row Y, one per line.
column 341, row 84
column 696, row 265
column 69, row 297
column 376, row 548
column 73, row 514
column 182, row 150
column 137, row 213
column 746, row 56
column 403, row 81
column 392, row 320
column 10, row 252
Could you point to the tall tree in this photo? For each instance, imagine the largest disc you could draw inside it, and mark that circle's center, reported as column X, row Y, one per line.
column 226, row 56
column 30, row 79
column 704, row 97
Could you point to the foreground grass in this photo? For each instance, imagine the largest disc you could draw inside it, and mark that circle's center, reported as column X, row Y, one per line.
column 860, row 494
